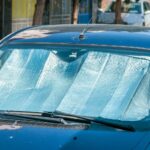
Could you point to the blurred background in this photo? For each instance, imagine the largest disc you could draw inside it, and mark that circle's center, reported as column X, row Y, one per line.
column 17, row 14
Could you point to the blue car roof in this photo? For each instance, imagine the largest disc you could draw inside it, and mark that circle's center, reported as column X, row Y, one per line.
column 108, row 35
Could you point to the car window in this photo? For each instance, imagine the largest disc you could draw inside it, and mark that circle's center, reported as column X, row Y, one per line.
column 131, row 7
column 80, row 82
column 146, row 6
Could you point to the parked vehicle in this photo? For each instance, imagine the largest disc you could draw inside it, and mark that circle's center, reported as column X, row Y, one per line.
column 74, row 87
column 133, row 13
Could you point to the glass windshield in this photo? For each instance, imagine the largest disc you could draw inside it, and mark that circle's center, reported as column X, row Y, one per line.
column 131, row 7
column 80, row 82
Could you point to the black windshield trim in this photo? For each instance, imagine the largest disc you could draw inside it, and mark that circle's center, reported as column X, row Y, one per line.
column 91, row 45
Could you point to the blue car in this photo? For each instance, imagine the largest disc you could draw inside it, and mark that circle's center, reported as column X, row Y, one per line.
column 75, row 87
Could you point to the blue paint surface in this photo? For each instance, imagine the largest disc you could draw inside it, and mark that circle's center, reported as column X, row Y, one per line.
column 46, row 138
column 96, row 34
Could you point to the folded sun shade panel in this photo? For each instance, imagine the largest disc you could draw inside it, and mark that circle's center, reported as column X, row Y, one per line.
column 105, row 86
column 35, row 80
column 82, row 83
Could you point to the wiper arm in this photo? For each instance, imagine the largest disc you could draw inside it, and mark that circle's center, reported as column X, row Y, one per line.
column 69, row 117
column 18, row 115
column 115, row 124
column 107, row 122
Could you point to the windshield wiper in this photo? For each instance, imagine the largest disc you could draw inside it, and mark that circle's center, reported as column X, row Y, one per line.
column 107, row 122
column 64, row 118
column 19, row 115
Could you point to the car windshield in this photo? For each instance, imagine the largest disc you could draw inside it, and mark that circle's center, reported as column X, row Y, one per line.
column 132, row 7
column 80, row 82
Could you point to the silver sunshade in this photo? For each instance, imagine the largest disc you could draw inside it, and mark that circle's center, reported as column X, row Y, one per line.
column 94, row 84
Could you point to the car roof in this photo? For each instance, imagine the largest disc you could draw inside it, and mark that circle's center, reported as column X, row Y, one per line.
column 92, row 34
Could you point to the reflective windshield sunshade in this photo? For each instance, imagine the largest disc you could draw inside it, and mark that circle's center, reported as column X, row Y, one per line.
column 90, row 83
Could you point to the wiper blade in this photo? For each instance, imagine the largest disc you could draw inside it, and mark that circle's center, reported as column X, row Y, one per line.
column 65, row 116
column 19, row 115
column 107, row 122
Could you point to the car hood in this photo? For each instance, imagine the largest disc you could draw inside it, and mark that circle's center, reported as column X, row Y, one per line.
column 44, row 137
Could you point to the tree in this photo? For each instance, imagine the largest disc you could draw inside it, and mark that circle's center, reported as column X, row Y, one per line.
column 118, row 19
column 75, row 11
column 38, row 13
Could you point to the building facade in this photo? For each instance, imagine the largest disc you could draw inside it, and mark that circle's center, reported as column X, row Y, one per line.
column 22, row 13
column 17, row 14
column 5, row 17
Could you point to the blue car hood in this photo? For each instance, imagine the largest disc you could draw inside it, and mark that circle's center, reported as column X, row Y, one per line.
column 43, row 137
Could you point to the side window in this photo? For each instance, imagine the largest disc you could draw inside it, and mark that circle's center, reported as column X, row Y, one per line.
column 146, row 6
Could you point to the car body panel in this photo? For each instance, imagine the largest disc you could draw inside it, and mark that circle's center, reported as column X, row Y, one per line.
column 95, row 34
column 49, row 137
